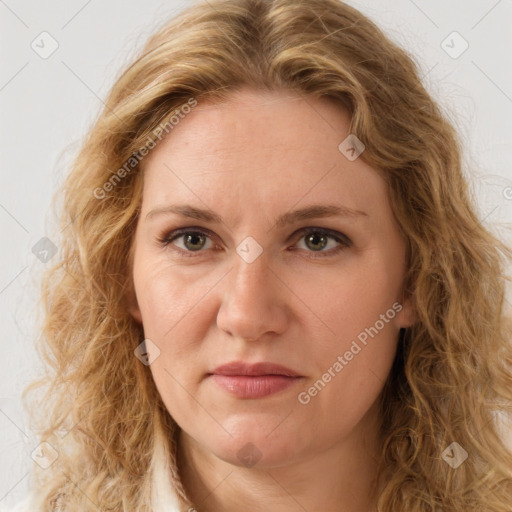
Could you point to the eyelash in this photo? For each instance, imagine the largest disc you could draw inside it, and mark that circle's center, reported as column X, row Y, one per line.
column 167, row 239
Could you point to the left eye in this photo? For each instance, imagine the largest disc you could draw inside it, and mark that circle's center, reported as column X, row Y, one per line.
column 315, row 239
column 192, row 238
column 318, row 240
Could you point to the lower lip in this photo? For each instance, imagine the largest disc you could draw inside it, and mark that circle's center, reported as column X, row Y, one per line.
column 258, row 386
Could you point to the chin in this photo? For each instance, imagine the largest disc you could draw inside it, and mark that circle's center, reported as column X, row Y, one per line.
column 260, row 448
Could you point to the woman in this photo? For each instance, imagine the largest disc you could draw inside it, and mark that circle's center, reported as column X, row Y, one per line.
column 274, row 292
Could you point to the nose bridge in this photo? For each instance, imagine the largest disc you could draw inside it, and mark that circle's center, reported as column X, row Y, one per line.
column 252, row 304
column 250, row 277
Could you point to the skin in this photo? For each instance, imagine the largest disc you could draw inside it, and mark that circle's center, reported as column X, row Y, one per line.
column 250, row 160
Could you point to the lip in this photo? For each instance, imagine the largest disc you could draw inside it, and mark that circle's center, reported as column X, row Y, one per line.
column 254, row 380
column 254, row 369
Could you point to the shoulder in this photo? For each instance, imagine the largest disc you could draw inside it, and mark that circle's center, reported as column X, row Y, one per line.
column 26, row 506
column 22, row 506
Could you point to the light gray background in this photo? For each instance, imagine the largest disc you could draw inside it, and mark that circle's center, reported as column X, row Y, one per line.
column 47, row 104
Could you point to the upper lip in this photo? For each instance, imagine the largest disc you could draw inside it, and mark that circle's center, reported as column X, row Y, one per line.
column 262, row 368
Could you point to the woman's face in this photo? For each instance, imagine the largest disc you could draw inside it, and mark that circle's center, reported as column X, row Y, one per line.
column 275, row 275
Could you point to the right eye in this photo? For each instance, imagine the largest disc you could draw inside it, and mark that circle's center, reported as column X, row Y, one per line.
column 192, row 240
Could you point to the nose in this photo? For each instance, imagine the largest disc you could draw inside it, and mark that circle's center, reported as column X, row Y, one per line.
column 253, row 302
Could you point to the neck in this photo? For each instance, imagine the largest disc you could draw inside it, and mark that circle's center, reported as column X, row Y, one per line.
column 342, row 478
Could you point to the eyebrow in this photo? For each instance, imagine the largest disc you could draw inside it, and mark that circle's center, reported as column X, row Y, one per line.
column 309, row 212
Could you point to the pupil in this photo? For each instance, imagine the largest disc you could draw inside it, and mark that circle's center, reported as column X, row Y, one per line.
column 193, row 237
column 315, row 237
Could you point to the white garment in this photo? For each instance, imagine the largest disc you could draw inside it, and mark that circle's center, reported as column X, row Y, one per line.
column 166, row 501
column 164, row 497
column 22, row 506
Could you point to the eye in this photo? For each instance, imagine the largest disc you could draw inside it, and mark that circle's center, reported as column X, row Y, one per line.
column 193, row 240
column 317, row 239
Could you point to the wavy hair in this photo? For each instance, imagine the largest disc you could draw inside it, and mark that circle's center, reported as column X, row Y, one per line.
column 451, row 380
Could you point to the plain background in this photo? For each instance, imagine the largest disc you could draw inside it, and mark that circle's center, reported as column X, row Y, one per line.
column 47, row 104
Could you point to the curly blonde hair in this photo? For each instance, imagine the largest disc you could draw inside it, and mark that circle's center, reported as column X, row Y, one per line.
column 452, row 376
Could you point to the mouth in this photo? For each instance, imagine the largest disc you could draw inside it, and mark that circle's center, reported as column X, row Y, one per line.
column 257, row 380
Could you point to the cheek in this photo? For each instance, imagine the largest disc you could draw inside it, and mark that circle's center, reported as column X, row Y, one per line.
column 177, row 312
column 168, row 299
column 174, row 319
column 353, row 360
column 351, row 300
column 351, row 377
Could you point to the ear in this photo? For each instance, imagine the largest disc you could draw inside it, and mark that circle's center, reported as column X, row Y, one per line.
column 407, row 315
column 130, row 296
column 132, row 303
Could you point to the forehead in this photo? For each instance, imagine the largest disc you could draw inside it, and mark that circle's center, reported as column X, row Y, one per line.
column 260, row 148
column 270, row 120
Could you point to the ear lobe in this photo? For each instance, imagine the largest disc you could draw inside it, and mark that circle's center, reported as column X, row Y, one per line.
column 407, row 315
column 135, row 312
column 132, row 303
